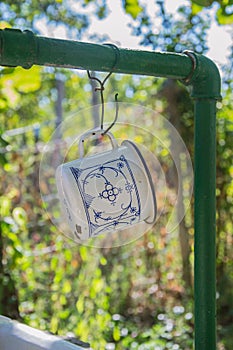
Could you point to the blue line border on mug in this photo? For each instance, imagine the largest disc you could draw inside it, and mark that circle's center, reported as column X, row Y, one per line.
column 149, row 179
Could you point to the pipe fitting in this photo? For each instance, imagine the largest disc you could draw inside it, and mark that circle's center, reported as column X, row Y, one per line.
column 204, row 77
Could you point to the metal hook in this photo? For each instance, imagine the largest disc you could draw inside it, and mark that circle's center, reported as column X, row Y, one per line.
column 116, row 116
column 101, row 89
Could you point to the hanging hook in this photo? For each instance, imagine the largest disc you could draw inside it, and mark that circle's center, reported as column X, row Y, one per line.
column 101, row 89
column 116, row 116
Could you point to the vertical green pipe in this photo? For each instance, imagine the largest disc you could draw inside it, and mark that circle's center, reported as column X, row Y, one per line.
column 205, row 221
column 24, row 49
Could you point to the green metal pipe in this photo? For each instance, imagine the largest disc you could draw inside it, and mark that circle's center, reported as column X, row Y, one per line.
column 205, row 91
column 24, row 49
column 204, row 224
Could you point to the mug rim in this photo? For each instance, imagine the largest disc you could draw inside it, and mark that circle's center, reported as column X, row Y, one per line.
column 153, row 199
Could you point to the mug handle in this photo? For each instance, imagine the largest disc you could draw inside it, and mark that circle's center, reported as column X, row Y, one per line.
column 94, row 132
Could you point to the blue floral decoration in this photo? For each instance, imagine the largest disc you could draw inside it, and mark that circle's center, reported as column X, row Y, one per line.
column 98, row 186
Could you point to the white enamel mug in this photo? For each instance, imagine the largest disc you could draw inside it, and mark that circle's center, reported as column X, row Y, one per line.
column 107, row 191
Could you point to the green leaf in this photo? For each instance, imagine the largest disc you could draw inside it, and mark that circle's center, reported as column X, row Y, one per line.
column 7, row 70
column 3, row 142
column 68, row 255
column 196, row 9
column 22, row 80
column 4, row 25
column 224, row 18
column 101, row 13
column 83, row 253
column 20, row 216
column 103, row 261
column 80, row 305
column 54, row 324
column 116, row 333
column 25, row 82
column 66, row 287
column 204, row 3
column 133, row 8
column 64, row 314
column 2, row 159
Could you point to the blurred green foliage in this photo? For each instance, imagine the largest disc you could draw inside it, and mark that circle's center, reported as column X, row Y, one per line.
column 103, row 296
column 134, row 296
column 224, row 14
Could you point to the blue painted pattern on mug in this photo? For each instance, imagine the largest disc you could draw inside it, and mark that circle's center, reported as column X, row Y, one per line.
column 110, row 192
column 110, row 195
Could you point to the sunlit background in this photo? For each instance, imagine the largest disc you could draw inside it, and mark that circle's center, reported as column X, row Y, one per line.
column 138, row 295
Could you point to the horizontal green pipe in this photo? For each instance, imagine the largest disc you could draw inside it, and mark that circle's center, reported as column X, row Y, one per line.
column 25, row 49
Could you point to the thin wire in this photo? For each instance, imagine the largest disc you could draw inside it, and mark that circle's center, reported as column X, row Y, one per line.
column 101, row 89
column 116, row 116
